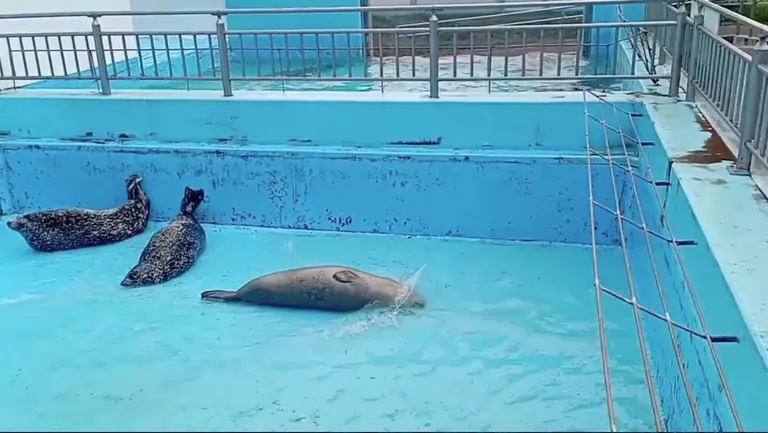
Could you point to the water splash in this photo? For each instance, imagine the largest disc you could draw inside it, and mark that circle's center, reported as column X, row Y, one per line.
column 409, row 284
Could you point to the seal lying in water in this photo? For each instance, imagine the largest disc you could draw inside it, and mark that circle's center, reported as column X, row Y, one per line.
column 331, row 288
column 173, row 249
column 67, row 229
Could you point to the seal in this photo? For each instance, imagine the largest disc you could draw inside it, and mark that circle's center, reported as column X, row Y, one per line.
column 68, row 229
column 329, row 288
column 173, row 249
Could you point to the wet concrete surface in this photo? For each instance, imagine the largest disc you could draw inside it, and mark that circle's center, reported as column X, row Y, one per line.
column 714, row 149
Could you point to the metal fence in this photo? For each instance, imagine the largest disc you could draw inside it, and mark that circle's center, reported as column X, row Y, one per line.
column 724, row 75
column 532, row 50
column 568, row 48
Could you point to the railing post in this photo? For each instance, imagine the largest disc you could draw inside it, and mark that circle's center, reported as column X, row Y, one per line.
column 589, row 16
column 750, row 108
column 677, row 52
column 101, row 57
column 221, row 35
column 690, row 90
column 434, row 58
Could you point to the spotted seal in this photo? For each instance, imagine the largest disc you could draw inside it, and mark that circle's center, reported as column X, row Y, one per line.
column 67, row 229
column 173, row 249
column 330, row 288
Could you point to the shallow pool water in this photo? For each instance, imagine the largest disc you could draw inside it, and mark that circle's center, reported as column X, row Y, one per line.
column 388, row 67
column 507, row 342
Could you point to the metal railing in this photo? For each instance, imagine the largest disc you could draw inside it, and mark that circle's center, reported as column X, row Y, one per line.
column 722, row 74
column 431, row 54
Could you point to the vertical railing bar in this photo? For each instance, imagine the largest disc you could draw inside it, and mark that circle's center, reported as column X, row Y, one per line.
column 140, row 55
column 541, row 53
column 221, row 36
column 580, row 46
column 559, row 52
column 434, row 57
column 23, row 56
column 61, row 55
column 489, row 59
column 153, row 50
column 318, row 57
column 303, row 56
column 112, row 55
column 524, row 66
column 184, row 69
column 50, row 57
column 37, row 58
column 196, row 47
column 101, row 58
column 349, row 55
column 471, row 53
column 126, row 58
column 506, row 53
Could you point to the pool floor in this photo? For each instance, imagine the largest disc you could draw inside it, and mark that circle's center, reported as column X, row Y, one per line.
column 508, row 341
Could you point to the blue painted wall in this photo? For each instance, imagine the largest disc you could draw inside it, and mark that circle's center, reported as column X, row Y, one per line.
column 498, row 196
column 603, row 41
column 172, row 117
column 288, row 49
column 338, row 169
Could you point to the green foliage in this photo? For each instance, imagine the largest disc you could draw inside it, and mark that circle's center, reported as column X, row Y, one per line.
column 761, row 11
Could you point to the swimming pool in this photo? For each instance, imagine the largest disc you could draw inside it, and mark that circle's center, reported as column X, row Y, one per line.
column 511, row 338
column 162, row 57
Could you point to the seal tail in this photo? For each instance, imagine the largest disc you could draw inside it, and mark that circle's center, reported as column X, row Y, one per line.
column 220, row 295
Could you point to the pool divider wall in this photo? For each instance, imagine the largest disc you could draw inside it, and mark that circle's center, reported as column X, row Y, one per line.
column 742, row 362
column 495, row 196
column 545, row 125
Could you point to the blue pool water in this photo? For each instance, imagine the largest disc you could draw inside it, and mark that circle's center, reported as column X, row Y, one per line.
column 388, row 67
column 508, row 341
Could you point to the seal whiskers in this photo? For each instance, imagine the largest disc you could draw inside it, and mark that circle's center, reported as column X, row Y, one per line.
column 172, row 250
column 67, row 229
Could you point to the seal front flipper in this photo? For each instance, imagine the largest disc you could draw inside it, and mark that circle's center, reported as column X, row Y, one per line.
column 220, row 295
column 346, row 276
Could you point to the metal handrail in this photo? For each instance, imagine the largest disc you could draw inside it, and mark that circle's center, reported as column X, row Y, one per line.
column 735, row 16
column 305, row 10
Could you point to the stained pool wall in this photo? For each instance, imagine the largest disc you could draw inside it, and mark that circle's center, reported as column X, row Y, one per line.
column 346, row 166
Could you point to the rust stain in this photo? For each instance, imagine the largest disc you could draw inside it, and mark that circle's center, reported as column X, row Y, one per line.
column 714, row 150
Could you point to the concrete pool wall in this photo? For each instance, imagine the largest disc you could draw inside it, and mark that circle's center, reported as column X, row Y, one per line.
column 350, row 175
column 328, row 172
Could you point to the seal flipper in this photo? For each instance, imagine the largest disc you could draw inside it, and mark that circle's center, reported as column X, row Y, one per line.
column 346, row 276
column 220, row 295
column 192, row 199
